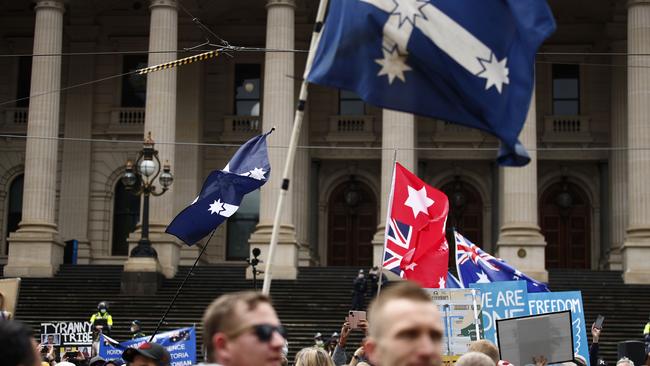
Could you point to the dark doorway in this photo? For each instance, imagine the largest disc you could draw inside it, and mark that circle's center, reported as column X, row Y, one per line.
column 465, row 214
column 126, row 213
column 565, row 220
column 15, row 207
column 352, row 222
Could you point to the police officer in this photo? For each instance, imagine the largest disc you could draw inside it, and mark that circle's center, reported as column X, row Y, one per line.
column 136, row 330
column 102, row 321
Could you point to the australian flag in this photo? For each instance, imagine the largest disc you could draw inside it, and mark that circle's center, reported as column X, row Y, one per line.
column 476, row 266
column 223, row 192
column 464, row 61
column 452, row 281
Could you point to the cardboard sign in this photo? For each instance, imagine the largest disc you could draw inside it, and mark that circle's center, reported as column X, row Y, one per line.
column 501, row 300
column 460, row 310
column 523, row 339
column 181, row 344
column 548, row 302
column 67, row 333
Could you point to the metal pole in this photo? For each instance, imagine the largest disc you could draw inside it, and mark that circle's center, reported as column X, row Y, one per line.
column 390, row 204
column 291, row 152
column 145, row 217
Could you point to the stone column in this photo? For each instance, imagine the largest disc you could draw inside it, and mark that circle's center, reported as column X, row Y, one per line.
column 618, row 158
column 520, row 241
column 35, row 250
column 636, row 249
column 278, row 110
column 160, row 120
column 301, row 194
column 189, row 116
column 398, row 132
column 75, row 171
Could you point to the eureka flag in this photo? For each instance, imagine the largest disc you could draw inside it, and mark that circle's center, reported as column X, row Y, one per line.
column 223, row 191
column 464, row 61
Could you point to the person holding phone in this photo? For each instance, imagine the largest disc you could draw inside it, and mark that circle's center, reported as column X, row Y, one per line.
column 339, row 356
column 595, row 337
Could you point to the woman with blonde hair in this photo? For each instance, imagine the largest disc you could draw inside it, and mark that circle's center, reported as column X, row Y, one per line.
column 313, row 356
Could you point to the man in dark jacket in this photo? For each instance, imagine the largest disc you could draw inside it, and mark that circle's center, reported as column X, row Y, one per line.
column 359, row 291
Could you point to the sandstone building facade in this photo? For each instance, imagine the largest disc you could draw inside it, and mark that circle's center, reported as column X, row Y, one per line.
column 583, row 202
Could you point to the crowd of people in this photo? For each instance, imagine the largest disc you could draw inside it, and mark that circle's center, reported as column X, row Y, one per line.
column 403, row 327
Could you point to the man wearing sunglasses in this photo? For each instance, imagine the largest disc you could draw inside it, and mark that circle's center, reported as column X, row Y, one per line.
column 242, row 329
column 405, row 328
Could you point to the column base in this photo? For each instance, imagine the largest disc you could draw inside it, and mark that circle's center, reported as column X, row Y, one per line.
column 188, row 255
column 615, row 260
column 524, row 248
column 378, row 246
column 34, row 251
column 141, row 276
column 304, row 256
column 635, row 252
column 83, row 252
column 167, row 247
column 285, row 260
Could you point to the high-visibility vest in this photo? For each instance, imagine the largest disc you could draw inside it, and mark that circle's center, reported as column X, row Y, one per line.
column 99, row 315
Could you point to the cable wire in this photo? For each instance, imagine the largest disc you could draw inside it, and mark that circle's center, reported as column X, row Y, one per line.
column 325, row 147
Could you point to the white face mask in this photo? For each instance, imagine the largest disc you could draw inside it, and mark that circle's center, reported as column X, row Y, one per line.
column 133, row 329
column 102, row 311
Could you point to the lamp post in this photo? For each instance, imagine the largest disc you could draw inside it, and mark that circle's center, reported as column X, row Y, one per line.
column 253, row 262
column 138, row 179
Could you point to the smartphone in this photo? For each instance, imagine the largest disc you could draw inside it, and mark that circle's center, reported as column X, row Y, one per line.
column 354, row 316
column 599, row 321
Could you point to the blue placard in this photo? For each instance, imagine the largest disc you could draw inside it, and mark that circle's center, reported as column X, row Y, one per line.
column 548, row 302
column 501, row 300
column 181, row 344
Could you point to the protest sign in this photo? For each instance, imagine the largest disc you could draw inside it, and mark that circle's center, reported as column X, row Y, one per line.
column 501, row 300
column 67, row 333
column 548, row 302
column 523, row 339
column 180, row 343
column 460, row 310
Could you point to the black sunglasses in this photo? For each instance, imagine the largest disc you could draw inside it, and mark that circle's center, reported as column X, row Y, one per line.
column 264, row 332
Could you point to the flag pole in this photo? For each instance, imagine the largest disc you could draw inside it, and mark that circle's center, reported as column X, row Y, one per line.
column 293, row 142
column 390, row 204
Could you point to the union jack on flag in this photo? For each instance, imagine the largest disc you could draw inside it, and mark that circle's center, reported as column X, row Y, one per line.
column 466, row 250
column 398, row 241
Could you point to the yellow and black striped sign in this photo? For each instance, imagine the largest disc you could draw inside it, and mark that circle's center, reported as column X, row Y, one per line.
column 179, row 62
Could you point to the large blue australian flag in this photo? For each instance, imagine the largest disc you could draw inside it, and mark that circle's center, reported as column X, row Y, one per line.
column 223, row 192
column 465, row 61
column 476, row 266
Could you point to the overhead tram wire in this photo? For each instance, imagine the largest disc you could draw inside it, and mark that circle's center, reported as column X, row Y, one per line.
column 264, row 49
column 322, row 147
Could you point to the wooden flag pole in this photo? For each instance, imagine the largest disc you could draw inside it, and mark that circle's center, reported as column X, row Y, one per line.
column 293, row 143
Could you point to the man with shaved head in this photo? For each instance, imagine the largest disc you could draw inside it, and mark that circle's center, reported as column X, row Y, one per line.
column 405, row 328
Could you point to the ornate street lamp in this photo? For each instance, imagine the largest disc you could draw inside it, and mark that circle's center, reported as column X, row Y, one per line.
column 138, row 179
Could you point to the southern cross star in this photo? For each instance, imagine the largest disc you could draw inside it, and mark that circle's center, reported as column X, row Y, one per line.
column 418, row 200
column 393, row 65
column 408, row 10
column 495, row 72
column 483, row 278
column 411, row 267
column 257, row 173
column 216, row 207
column 441, row 283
